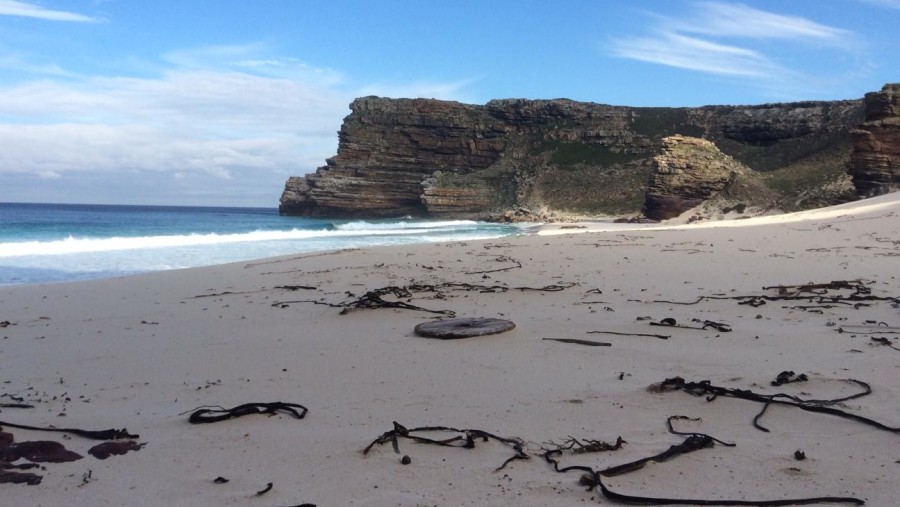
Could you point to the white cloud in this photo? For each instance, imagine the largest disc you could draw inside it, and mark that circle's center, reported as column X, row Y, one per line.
column 49, row 175
column 225, row 121
column 28, row 10
column 738, row 20
column 735, row 40
column 675, row 50
column 211, row 122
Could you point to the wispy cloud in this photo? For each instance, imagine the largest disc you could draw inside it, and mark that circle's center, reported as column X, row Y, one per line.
column 28, row 10
column 738, row 20
column 682, row 51
column 735, row 40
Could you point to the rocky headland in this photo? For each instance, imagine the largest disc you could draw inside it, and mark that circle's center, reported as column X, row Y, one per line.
column 519, row 159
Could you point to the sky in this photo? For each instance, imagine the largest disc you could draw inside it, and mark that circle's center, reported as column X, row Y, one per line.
column 217, row 102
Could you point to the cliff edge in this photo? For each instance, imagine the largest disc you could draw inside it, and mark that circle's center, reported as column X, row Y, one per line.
column 545, row 159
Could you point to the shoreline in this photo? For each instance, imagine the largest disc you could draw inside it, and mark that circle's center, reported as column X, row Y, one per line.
column 141, row 352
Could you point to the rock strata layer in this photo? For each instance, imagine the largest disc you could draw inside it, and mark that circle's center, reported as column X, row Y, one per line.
column 687, row 172
column 875, row 163
column 432, row 158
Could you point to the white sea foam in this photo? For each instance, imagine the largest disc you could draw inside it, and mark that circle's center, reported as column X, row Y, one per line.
column 377, row 226
column 81, row 256
column 73, row 245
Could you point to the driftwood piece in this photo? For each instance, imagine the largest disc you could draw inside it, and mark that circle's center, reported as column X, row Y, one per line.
column 452, row 329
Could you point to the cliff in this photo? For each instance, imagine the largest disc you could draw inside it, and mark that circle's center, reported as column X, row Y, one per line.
column 687, row 173
column 875, row 164
column 543, row 158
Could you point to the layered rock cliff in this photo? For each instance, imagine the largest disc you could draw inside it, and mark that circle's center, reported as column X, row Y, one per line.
column 432, row 158
column 875, row 164
column 687, row 172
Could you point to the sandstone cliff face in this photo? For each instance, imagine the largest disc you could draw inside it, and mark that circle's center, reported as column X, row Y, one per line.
column 386, row 148
column 425, row 157
column 687, row 172
column 875, row 163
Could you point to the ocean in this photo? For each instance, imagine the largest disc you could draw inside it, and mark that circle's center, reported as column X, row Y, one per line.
column 48, row 243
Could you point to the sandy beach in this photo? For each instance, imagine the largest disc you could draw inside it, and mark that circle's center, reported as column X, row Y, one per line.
column 814, row 293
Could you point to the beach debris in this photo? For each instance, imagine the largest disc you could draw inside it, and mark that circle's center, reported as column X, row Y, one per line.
column 5, row 323
column 11, row 477
column 464, row 438
column 112, row 434
column 589, row 343
column 883, row 341
column 813, row 293
column 799, row 455
column 787, row 377
column 706, row 388
column 693, row 442
column 107, row 449
column 265, row 489
column 592, row 478
column 296, row 287
column 220, row 480
column 704, row 324
column 583, row 447
column 660, row 336
column 499, row 258
column 821, row 288
column 871, row 327
column 374, row 299
column 452, row 329
column 47, row 451
column 201, row 415
column 37, row 451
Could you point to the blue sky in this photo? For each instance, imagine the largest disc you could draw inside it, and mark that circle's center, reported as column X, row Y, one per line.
column 217, row 102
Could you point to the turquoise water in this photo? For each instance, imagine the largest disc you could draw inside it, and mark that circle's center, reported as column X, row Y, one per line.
column 42, row 243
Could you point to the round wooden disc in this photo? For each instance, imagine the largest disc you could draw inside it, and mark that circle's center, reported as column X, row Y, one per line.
column 452, row 329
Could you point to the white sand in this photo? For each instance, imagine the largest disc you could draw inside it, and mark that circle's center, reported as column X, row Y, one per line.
column 137, row 352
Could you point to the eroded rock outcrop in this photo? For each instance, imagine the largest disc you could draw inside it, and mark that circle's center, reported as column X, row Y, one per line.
column 424, row 157
column 386, row 148
column 875, row 163
column 687, row 172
